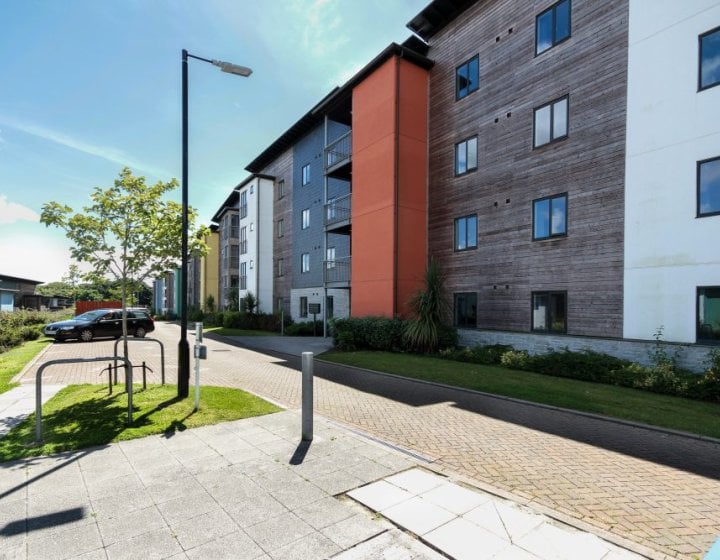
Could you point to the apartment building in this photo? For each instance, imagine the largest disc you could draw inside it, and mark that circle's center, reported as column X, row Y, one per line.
column 228, row 219
column 210, row 269
column 255, row 205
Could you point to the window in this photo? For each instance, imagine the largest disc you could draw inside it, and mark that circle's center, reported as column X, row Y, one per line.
column 552, row 26
column 709, row 59
column 243, row 276
column 281, row 227
column 549, row 311
column 466, row 310
column 304, row 263
column 550, row 217
column 281, row 189
column 306, row 174
column 330, row 307
column 303, row 306
column 467, row 78
column 234, row 282
column 243, row 240
column 551, row 122
column 234, row 224
column 243, row 204
column 330, row 257
column 708, row 187
column 465, row 233
column 708, row 308
column 305, row 219
column 281, row 267
column 331, row 211
column 466, row 156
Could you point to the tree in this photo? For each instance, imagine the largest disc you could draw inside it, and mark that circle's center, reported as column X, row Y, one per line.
column 128, row 233
column 429, row 306
column 73, row 278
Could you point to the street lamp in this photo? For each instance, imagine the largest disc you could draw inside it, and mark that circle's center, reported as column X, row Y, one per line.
column 183, row 345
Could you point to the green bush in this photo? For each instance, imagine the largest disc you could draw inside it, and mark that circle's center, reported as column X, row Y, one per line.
column 369, row 333
column 305, row 329
column 515, row 359
column 586, row 365
column 25, row 324
column 195, row 314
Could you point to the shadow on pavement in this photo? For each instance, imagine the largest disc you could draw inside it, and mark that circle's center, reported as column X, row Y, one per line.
column 689, row 454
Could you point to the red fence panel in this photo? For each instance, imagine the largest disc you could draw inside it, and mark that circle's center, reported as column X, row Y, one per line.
column 83, row 306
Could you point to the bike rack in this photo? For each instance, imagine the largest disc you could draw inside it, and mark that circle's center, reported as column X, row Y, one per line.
column 38, row 387
column 162, row 355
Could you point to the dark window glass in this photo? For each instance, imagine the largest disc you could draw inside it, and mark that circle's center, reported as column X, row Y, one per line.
column 708, row 187
column 466, row 310
column 303, row 307
column 552, row 26
column 551, row 122
column 467, row 78
column 466, row 156
column 550, row 217
column 710, row 59
column 465, row 233
column 708, row 306
column 281, row 188
column 549, row 311
column 330, row 307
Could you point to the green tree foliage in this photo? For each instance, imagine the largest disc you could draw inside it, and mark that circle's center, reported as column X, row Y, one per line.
column 429, row 307
column 128, row 233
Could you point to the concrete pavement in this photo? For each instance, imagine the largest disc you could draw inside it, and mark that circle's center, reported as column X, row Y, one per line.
column 656, row 491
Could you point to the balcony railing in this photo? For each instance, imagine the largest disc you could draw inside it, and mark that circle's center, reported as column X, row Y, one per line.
column 234, row 262
column 339, row 152
column 243, row 246
column 338, row 210
column 337, row 271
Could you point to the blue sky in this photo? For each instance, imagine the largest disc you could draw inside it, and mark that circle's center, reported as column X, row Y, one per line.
column 88, row 87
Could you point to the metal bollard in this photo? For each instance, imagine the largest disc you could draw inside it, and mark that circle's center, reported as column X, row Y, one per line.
column 307, row 396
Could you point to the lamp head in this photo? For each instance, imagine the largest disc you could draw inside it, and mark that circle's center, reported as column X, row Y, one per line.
column 231, row 68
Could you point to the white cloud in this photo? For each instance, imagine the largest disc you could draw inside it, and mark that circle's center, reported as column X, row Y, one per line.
column 36, row 254
column 11, row 212
column 105, row 152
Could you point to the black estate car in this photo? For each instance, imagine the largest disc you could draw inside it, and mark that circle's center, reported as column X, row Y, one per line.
column 101, row 323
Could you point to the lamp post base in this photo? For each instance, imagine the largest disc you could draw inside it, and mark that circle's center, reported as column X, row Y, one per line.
column 183, row 383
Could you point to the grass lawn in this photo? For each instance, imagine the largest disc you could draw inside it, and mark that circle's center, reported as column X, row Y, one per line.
column 12, row 361
column 81, row 416
column 222, row 331
column 630, row 404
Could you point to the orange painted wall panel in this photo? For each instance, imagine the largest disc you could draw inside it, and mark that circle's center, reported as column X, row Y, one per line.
column 389, row 193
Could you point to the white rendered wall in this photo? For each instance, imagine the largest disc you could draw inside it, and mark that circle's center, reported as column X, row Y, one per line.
column 265, row 231
column 671, row 126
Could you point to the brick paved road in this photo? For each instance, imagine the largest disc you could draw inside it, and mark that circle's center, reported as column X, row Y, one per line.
column 658, row 490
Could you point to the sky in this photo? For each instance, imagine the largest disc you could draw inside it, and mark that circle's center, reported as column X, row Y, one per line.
column 89, row 87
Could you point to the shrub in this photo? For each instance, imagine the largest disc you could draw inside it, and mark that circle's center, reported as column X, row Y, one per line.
column 586, row 365
column 515, row 359
column 195, row 314
column 305, row 329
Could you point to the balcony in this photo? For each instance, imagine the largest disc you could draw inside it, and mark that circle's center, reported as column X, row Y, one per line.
column 337, row 213
column 338, row 155
column 337, row 272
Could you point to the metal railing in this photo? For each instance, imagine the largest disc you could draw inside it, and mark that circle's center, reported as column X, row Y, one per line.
column 143, row 339
column 338, row 210
column 339, row 151
column 337, row 271
column 38, row 387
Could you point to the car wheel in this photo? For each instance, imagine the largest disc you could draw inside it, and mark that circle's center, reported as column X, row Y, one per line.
column 86, row 335
column 140, row 332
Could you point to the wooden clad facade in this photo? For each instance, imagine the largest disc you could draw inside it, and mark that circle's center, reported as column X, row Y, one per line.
column 590, row 67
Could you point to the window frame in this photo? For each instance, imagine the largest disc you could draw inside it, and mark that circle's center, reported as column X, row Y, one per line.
column 552, row 104
column 303, row 258
column 456, row 323
column 699, row 214
column 700, row 60
column 330, row 262
column 548, row 318
column 305, row 224
column 303, row 306
column 281, row 189
column 458, row 97
column 243, row 204
column 698, row 339
column 305, row 174
column 550, row 235
column 280, row 272
column 554, row 42
column 280, row 227
column 467, row 168
column 455, row 237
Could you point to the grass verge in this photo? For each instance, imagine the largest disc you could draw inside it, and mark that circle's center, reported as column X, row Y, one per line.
column 676, row 413
column 82, row 416
column 222, row 331
column 12, row 361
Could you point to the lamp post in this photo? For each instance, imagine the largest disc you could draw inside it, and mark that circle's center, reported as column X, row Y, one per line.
column 184, row 345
